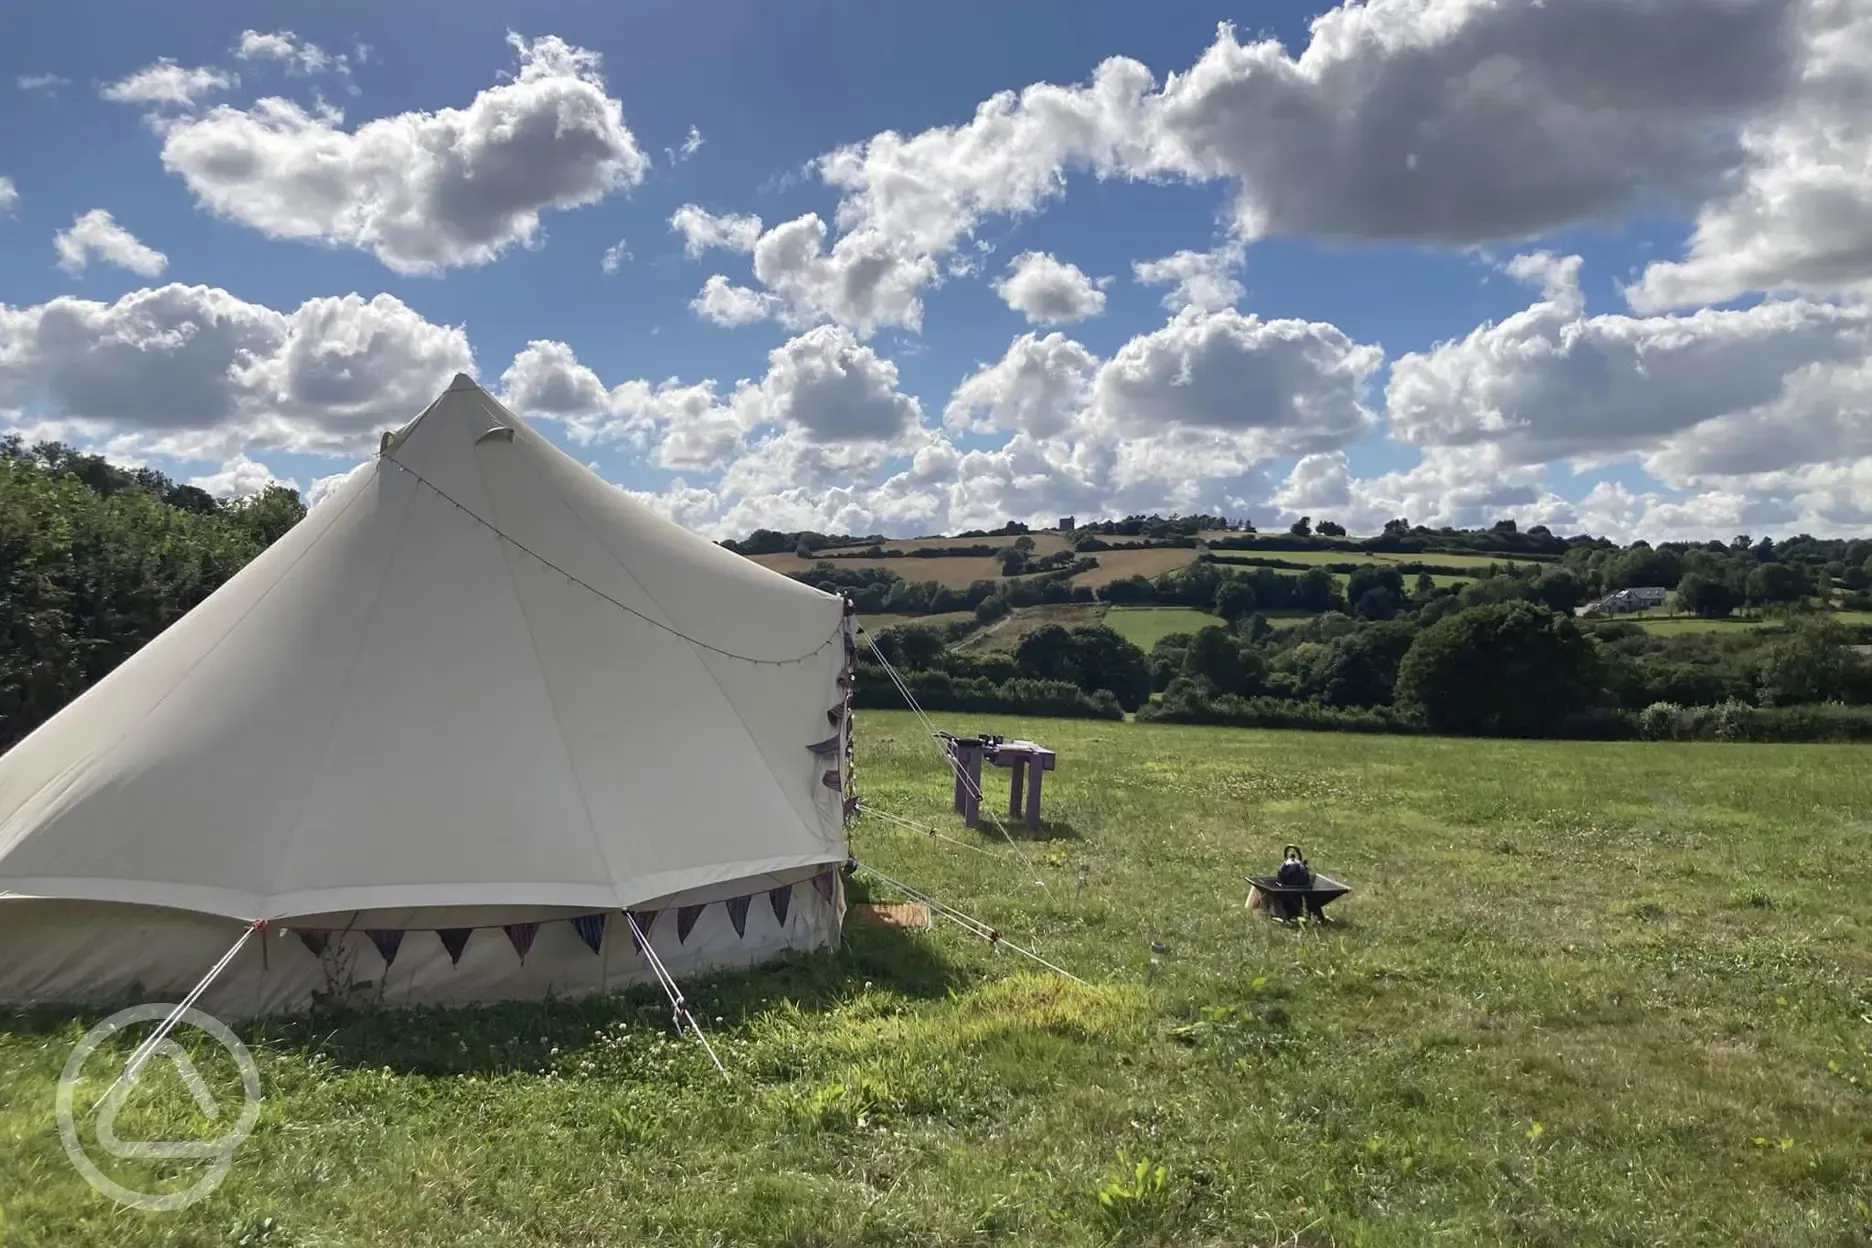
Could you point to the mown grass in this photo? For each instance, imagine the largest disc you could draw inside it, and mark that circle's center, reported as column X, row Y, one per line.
column 1144, row 627
column 1583, row 994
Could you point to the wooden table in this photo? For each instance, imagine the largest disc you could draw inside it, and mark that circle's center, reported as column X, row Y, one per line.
column 1027, row 760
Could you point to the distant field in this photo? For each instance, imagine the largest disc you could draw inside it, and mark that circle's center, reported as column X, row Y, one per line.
column 1007, row 632
column 1669, row 626
column 1116, row 565
column 953, row 572
column 878, row 623
column 1144, row 627
column 1691, row 624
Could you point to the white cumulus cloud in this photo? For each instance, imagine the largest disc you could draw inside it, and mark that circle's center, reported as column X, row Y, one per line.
column 167, row 83
column 97, row 235
column 702, row 229
column 423, row 192
column 1197, row 279
column 194, row 372
column 1048, row 291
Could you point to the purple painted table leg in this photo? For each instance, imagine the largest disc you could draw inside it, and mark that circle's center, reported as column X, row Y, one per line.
column 1033, row 798
column 1014, row 790
column 972, row 765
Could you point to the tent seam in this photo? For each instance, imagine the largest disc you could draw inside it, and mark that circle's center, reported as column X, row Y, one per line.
column 331, row 732
column 697, row 649
column 552, row 702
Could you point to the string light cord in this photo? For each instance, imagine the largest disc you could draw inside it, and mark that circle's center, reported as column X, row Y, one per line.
column 595, row 591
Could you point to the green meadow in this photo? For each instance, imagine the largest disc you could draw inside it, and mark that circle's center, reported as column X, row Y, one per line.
column 1582, row 994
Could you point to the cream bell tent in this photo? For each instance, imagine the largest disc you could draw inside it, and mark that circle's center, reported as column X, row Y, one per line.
column 439, row 737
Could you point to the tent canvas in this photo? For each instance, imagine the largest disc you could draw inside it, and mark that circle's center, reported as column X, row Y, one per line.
column 476, row 680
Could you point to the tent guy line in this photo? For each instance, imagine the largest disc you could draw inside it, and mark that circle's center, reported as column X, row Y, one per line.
column 979, row 928
column 592, row 589
column 962, row 775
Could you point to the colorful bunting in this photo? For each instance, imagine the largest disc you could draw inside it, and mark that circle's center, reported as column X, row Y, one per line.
column 591, row 930
column 825, row 881
column 455, row 939
column 737, row 913
column 645, row 919
column 521, row 936
column 686, row 917
column 316, row 941
column 780, row 899
column 387, row 944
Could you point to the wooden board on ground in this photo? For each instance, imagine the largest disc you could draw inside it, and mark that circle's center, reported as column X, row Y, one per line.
column 882, row 914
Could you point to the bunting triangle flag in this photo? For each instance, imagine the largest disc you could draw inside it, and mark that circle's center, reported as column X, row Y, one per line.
column 834, row 715
column 455, row 939
column 387, row 944
column 645, row 920
column 686, row 917
column 781, row 899
column 825, row 882
column 316, row 941
column 825, row 748
column 737, row 913
column 591, row 930
column 831, row 780
column 521, row 936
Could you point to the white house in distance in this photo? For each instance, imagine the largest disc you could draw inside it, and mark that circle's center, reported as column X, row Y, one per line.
column 1638, row 598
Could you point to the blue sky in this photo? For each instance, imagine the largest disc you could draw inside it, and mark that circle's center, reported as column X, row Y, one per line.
column 1681, row 350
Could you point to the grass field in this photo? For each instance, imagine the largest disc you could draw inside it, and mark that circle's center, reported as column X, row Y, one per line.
column 956, row 573
column 1007, row 632
column 1583, row 994
column 1144, row 627
column 878, row 623
column 1115, row 565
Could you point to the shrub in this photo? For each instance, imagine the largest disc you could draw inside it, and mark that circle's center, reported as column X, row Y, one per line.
column 1187, row 702
column 939, row 691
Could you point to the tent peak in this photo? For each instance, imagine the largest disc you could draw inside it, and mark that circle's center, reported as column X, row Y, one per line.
column 463, row 382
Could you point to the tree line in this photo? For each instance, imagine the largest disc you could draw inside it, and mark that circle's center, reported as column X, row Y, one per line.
column 95, row 560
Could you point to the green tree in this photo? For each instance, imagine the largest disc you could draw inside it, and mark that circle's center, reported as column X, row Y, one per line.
column 1776, row 583
column 1559, row 588
column 1705, row 596
column 1810, row 665
column 1234, row 600
column 920, row 646
column 1217, row 658
column 1317, row 591
column 1509, row 669
column 990, row 609
column 1303, row 527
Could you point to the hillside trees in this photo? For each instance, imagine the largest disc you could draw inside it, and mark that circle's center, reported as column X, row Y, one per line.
column 95, row 561
column 1510, row 669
